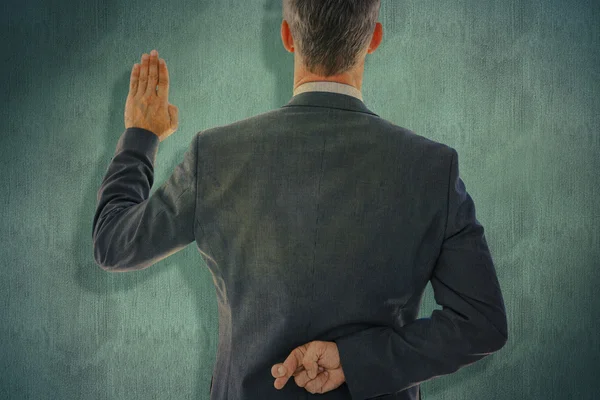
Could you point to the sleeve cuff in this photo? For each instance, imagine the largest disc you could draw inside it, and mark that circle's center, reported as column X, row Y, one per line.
column 140, row 140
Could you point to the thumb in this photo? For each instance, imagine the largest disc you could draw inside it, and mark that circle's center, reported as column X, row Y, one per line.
column 174, row 114
column 311, row 358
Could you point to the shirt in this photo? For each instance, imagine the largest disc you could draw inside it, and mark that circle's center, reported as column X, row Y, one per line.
column 326, row 86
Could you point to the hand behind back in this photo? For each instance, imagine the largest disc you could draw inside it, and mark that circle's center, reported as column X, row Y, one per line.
column 305, row 364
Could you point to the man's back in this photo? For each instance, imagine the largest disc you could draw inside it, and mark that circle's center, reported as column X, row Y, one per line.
column 322, row 221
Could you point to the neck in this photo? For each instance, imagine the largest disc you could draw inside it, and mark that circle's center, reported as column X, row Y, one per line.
column 353, row 77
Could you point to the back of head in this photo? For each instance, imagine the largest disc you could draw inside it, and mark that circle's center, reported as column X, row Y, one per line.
column 331, row 35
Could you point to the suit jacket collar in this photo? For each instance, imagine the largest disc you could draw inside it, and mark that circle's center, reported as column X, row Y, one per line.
column 329, row 100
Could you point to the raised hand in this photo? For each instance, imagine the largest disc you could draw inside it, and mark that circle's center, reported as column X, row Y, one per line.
column 147, row 104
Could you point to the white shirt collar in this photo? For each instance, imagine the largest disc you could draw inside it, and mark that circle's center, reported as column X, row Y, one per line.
column 327, row 86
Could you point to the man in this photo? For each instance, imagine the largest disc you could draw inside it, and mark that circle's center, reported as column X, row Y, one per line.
column 320, row 222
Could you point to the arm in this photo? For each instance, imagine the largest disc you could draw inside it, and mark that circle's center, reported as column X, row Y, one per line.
column 130, row 230
column 471, row 325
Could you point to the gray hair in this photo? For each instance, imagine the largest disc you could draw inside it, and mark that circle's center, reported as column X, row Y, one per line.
column 330, row 35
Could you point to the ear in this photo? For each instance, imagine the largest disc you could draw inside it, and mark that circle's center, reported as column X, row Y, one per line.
column 376, row 39
column 286, row 36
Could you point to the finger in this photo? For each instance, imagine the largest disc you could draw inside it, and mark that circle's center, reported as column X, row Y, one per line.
column 293, row 366
column 280, row 372
column 302, row 378
column 315, row 349
column 143, row 81
column 163, row 80
column 152, row 73
column 275, row 370
column 334, row 380
column 318, row 385
column 282, row 377
column 133, row 81
column 293, row 363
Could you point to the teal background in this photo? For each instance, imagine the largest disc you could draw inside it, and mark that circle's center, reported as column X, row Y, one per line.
column 512, row 85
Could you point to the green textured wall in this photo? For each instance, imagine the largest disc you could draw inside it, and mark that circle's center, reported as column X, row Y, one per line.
column 512, row 85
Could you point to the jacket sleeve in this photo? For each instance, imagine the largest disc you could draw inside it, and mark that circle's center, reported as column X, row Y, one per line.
column 130, row 230
column 471, row 325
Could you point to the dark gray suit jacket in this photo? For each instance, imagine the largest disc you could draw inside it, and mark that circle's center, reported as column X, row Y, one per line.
column 318, row 221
